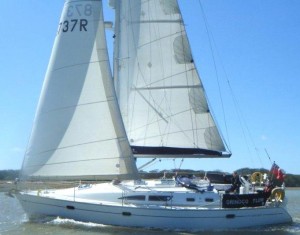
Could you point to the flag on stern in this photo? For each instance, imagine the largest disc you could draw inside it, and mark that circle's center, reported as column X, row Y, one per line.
column 277, row 172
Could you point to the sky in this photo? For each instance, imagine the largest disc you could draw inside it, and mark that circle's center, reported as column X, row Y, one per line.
column 247, row 53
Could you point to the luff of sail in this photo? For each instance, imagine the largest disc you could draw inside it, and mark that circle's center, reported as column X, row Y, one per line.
column 78, row 132
column 162, row 100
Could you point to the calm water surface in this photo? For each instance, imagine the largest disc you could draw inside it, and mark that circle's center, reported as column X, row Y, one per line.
column 13, row 220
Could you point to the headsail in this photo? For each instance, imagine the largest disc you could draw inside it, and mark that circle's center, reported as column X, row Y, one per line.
column 162, row 100
column 78, row 132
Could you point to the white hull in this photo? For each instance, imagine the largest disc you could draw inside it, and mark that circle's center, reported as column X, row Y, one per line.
column 152, row 216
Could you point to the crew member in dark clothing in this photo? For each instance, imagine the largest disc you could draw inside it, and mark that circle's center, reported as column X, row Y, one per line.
column 235, row 183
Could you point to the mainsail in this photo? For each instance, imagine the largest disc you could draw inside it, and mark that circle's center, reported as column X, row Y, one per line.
column 161, row 97
column 78, row 132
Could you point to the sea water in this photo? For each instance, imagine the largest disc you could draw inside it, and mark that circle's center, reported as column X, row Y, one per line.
column 13, row 220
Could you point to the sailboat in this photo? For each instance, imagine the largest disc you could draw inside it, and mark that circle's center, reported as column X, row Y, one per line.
column 92, row 125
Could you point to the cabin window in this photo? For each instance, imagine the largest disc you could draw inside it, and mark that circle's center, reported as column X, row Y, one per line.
column 136, row 198
column 190, row 199
column 209, row 199
column 159, row 198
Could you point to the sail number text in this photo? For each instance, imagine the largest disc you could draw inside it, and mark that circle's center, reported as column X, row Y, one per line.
column 80, row 10
column 77, row 10
column 71, row 25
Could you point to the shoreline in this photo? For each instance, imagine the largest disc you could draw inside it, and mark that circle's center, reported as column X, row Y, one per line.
column 5, row 186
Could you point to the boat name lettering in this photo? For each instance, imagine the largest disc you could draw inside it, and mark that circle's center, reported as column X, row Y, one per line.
column 258, row 200
column 71, row 25
column 237, row 202
column 80, row 9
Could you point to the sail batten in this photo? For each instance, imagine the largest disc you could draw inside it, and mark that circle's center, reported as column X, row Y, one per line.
column 157, row 21
column 66, row 147
column 77, row 65
column 164, row 87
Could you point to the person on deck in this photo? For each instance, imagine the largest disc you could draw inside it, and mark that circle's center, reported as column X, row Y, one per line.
column 235, row 183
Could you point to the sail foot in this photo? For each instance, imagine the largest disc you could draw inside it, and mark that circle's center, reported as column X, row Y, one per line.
column 173, row 152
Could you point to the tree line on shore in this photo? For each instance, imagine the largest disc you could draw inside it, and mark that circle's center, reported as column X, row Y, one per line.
column 9, row 175
column 291, row 180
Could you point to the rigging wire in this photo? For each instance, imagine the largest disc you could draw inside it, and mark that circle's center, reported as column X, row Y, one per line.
column 241, row 118
column 268, row 156
column 239, row 112
column 209, row 35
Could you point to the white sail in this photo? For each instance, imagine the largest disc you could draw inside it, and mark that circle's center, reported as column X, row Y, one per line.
column 78, row 132
column 162, row 100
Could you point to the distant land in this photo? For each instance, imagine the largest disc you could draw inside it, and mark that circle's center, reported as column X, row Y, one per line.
column 290, row 179
column 9, row 175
